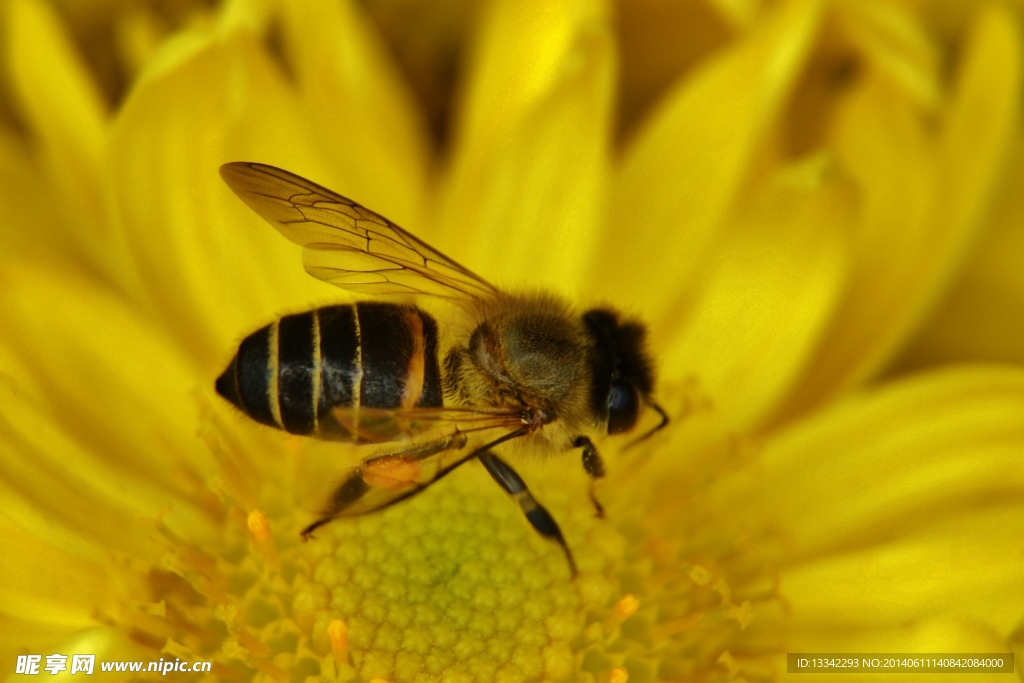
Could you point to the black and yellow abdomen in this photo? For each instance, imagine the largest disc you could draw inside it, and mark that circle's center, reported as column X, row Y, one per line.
column 294, row 373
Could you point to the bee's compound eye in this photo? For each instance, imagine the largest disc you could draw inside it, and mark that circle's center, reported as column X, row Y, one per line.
column 623, row 408
column 618, row 399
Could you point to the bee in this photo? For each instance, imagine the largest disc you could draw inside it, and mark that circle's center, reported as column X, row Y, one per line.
column 520, row 367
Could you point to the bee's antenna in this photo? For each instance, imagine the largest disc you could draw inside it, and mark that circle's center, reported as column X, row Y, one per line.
column 657, row 428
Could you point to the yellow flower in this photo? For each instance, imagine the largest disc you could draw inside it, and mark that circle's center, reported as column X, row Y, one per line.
column 783, row 217
column 981, row 317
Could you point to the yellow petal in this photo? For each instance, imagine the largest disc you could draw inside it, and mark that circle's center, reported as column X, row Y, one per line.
column 924, row 200
column 210, row 267
column 65, row 113
column 740, row 13
column 768, row 297
column 942, row 634
column 51, row 590
column 364, row 121
column 898, row 504
column 30, row 215
column 982, row 122
column 896, row 45
column 22, row 634
column 519, row 56
column 681, row 175
column 76, row 368
column 695, row 30
column 138, row 31
column 967, row 570
column 52, row 85
column 536, row 185
column 983, row 317
column 55, row 489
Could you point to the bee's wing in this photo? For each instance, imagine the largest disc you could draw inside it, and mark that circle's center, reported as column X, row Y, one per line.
column 360, row 425
column 347, row 244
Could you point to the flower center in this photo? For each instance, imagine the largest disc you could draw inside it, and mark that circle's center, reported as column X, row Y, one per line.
column 454, row 584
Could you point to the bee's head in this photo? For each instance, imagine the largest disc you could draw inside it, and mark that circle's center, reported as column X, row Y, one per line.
column 623, row 372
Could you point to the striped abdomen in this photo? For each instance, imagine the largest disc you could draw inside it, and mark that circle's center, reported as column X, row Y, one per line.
column 293, row 373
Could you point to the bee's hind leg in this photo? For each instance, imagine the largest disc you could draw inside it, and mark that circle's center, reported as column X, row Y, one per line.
column 348, row 492
column 593, row 466
column 355, row 485
column 509, row 480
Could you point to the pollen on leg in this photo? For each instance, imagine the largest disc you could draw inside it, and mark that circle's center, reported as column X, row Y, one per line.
column 391, row 472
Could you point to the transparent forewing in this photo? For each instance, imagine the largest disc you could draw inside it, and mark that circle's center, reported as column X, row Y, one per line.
column 347, row 244
column 358, row 271
column 383, row 425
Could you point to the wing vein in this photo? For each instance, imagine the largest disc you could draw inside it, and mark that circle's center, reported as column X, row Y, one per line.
column 342, row 239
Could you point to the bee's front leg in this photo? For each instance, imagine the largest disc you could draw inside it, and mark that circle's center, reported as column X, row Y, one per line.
column 538, row 516
column 593, row 466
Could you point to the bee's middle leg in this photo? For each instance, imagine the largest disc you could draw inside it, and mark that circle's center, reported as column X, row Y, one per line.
column 538, row 516
column 593, row 466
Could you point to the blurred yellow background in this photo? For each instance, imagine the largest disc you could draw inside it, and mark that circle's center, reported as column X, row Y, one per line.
column 815, row 206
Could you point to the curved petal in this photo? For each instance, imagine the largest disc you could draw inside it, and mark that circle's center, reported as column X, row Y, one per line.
column 367, row 127
column 64, row 111
column 519, row 56
column 924, row 200
column 895, row 43
column 767, row 299
column 693, row 29
column 54, row 591
column 211, row 269
column 897, row 505
column 26, row 200
column 537, row 188
column 531, row 162
column 983, row 317
column 49, row 599
column 95, row 429
column 680, row 177
column 53, row 88
column 966, row 570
